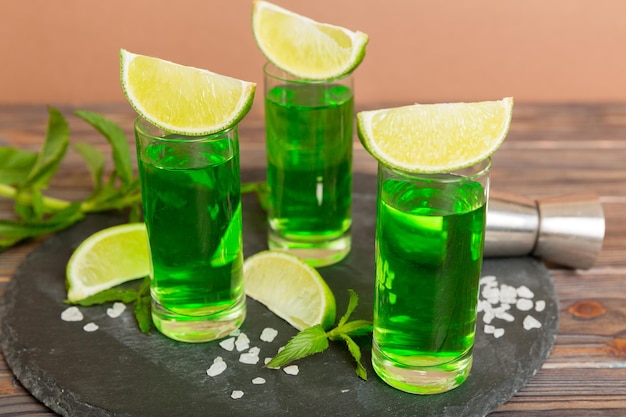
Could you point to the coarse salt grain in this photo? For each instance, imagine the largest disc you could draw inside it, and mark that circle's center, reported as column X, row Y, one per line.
column 71, row 314
column 525, row 292
column 116, row 310
column 291, row 369
column 524, row 304
column 217, row 367
column 242, row 343
column 249, row 358
column 236, row 394
column 228, row 344
column 90, row 327
column 540, row 305
column 258, row 381
column 267, row 360
column 497, row 333
column 268, row 334
column 531, row 323
column 235, row 332
column 489, row 329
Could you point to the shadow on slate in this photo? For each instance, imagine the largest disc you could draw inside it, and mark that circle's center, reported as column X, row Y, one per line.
column 118, row 371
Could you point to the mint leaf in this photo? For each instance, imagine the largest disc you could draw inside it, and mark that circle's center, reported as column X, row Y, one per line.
column 116, row 137
column 354, row 301
column 352, row 328
column 355, row 350
column 16, row 165
column 307, row 342
column 95, row 163
column 52, row 152
column 108, row 296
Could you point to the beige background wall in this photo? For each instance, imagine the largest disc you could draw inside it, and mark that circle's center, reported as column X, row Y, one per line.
column 66, row 51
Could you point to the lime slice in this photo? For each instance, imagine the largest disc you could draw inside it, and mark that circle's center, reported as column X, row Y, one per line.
column 106, row 259
column 181, row 99
column 435, row 137
column 304, row 47
column 290, row 288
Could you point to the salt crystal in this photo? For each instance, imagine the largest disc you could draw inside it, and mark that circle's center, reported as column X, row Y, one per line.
column 235, row 332
column 236, row 394
column 491, row 293
column 505, row 316
column 71, row 314
column 345, row 390
column 497, row 333
column 90, row 327
column 525, row 292
column 524, row 304
column 258, row 380
column 488, row 316
column 508, row 294
column 242, row 343
column 268, row 334
column 267, row 360
column 291, row 369
column 531, row 323
column 217, row 367
column 228, row 344
column 254, row 351
column 116, row 310
column 488, row 280
column 540, row 305
column 489, row 329
column 249, row 358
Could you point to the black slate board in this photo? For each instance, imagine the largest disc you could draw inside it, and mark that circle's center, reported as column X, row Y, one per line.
column 117, row 371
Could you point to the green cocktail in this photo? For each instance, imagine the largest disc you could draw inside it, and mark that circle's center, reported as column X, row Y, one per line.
column 309, row 135
column 429, row 251
column 192, row 209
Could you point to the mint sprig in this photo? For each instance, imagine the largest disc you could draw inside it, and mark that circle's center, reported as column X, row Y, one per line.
column 315, row 339
column 139, row 297
column 25, row 176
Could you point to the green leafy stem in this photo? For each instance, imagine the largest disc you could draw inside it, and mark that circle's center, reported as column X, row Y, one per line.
column 24, row 175
column 315, row 339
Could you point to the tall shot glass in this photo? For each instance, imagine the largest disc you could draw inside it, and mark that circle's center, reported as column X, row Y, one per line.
column 430, row 232
column 309, row 135
column 192, row 208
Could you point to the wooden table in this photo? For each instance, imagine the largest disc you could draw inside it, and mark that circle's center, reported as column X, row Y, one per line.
column 551, row 149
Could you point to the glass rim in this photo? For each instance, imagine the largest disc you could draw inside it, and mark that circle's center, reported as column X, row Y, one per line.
column 483, row 168
column 272, row 71
column 142, row 125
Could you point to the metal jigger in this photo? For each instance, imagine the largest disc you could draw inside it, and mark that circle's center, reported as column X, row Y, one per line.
column 567, row 230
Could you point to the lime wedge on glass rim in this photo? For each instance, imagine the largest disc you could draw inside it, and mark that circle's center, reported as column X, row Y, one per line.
column 304, row 47
column 430, row 138
column 290, row 288
column 182, row 99
column 108, row 258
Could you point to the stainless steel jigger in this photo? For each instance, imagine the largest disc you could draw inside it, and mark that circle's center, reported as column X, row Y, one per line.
column 567, row 230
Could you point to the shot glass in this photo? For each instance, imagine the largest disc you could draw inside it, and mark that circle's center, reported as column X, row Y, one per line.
column 430, row 232
column 191, row 199
column 309, row 135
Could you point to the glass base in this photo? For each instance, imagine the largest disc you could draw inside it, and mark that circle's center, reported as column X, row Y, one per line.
column 197, row 329
column 423, row 379
column 315, row 252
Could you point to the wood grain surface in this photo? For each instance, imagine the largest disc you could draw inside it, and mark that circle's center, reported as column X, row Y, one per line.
column 552, row 149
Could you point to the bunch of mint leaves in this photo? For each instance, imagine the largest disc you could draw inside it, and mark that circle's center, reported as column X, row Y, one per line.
column 25, row 175
column 315, row 339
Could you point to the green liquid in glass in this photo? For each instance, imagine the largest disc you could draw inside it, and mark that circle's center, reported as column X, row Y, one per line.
column 192, row 209
column 428, row 263
column 309, row 156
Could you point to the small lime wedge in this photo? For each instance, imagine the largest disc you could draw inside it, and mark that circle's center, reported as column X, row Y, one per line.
column 182, row 99
column 108, row 258
column 304, row 47
column 289, row 287
column 439, row 137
